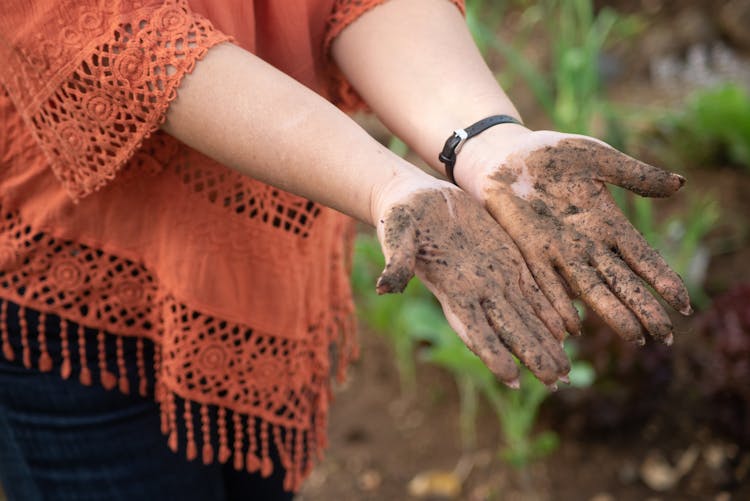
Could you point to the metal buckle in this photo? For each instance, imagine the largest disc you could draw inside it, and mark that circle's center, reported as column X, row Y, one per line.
column 462, row 136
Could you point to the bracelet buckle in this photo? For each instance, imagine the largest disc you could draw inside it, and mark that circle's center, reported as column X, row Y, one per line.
column 462, row 136
column 456, row 141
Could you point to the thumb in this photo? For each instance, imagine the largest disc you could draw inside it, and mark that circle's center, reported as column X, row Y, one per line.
column 398, row 234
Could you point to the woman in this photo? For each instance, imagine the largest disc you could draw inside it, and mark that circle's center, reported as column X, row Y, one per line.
column 152, row 244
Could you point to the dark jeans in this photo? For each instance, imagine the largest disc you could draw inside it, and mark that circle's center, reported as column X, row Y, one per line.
column 60, row 440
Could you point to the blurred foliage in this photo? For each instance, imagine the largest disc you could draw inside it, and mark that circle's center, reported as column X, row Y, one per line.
column 569, row 88
column 713, row 129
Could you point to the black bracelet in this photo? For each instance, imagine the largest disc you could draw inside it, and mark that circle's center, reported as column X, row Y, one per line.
column 453, row 144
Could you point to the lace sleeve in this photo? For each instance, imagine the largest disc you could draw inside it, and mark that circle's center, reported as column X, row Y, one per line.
column 344, row 13
column 93, row 79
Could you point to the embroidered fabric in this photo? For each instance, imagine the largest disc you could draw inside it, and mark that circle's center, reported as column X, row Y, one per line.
column 211, row 432
column 226, row 387
column 273, row 382
column 100, row 111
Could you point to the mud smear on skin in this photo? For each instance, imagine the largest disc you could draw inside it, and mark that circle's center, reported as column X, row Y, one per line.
column 567, row 220
column 460, row 251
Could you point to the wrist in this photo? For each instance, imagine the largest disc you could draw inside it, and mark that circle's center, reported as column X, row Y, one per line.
column 483, row 153
column 405, row 180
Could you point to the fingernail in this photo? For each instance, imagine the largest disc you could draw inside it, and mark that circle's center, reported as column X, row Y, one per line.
column 552, row 387
column 564, row 379
column 688, row 310
column 669, row 339
column 514, row 384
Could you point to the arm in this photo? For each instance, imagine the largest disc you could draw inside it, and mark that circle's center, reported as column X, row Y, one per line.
column 241, row 111
column 253, row 118
column 93, row 83
column 425, row 78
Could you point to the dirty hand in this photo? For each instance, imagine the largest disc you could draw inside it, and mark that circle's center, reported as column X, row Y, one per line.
column 547, row 190
column 438, row 232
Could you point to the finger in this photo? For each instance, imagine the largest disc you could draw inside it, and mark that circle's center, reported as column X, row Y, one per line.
column 469, row 323
column 541, row 305
column 551, row 345
column 618, row 168
column 398, row 239
column 648, row 264
column 633, row 292
column 549, row 282
column 514, row 334
column 595, row 293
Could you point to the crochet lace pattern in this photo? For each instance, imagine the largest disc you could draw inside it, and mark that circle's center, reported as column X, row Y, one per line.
column 88, row 105
column 266, row 386
column 129, row 76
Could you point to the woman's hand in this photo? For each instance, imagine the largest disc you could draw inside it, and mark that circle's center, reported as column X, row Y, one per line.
column 435, row 230
column 426, row 226
column 547, row 190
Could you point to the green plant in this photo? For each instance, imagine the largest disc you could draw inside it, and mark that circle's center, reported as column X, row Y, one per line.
column 483, row 16
column 570, row 92
column 712, row 129
column 516, row 410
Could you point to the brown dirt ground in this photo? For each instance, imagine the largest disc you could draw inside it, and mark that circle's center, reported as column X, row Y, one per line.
column 380, row 440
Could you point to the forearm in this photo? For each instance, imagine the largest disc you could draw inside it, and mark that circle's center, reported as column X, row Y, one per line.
column 242, row 112
column 416, row 65
column 251, row 117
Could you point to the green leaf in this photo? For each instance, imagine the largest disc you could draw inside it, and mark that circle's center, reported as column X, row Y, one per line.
column 582, row 374
column 423, row 320
column 459, row 360
column 544, row 444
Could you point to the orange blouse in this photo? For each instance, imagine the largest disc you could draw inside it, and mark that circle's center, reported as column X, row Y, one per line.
column 106, row 222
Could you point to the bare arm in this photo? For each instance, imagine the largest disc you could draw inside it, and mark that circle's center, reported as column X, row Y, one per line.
column 415, row 63
column 251, row 117
column 241, row 111
column 424, row 77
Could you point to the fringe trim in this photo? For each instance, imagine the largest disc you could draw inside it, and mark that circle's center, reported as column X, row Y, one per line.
column 141, row 365
column 45, row 361
column 24, row 327
column 7, row 348
column 85, row 376
column 65, row 367
column 188, row 424
column 253, row 438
